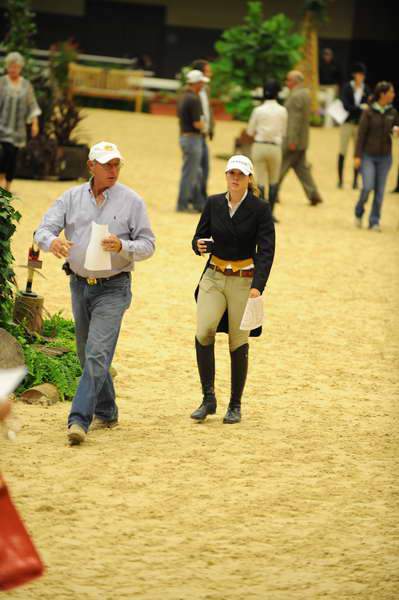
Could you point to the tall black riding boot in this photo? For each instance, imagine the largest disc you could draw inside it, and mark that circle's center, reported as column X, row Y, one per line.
column 206, row 370
column 239, row 370
column 273, row 189
column 396, row 190
column 355, row 178
column 341, row 160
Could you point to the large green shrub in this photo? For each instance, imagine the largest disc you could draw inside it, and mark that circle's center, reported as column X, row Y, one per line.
column 9, row 218
column 252, row 53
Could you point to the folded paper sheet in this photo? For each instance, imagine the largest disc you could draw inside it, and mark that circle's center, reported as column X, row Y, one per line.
column 337, row 111
column 10, row 380
column 253, row 314
column 97, row 259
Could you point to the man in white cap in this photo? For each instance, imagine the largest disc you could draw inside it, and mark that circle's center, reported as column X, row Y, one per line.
column 99, row 297
column 192, row 123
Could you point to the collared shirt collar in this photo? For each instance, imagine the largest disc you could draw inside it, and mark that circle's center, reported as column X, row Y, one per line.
column 233, row 209
column 381, row 109
column 105, row 193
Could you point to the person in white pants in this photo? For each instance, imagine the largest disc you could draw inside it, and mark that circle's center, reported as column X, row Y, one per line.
column 268, row 126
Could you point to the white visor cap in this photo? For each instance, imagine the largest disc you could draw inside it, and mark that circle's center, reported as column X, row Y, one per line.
column 240, row 162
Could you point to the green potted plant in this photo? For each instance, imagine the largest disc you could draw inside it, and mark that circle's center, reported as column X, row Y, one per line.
column 164, row 103
column 250, row 54
column 66, row 115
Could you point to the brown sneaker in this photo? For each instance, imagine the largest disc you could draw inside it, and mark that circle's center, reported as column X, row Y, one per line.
column 102, row 424
column 76, row 434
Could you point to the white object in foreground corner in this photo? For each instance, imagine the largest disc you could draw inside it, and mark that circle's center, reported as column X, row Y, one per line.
column 253, row 314
column 10, row 380
column 337, row 111
column 97, row 259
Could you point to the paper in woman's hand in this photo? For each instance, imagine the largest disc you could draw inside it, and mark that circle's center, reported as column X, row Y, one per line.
column 97, row 259
column 253, row 314
column 10, row 380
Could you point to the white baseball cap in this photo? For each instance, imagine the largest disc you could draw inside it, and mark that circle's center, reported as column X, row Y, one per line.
column 240, row 162
column 103, row 152
column 196, row 76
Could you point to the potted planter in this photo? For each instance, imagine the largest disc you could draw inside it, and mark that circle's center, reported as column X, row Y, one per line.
column 72, row 162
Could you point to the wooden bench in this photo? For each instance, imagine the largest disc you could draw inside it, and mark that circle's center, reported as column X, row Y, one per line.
column 115, row 84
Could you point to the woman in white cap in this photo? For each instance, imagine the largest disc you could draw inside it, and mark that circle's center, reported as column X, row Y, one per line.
column 18, row 106
column 237, row 229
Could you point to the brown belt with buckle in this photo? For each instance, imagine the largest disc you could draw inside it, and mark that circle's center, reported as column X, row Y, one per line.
column 231, row 273
column 100, row 280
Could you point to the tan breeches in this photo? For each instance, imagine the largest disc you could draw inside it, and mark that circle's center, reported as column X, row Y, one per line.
column 267, row 162
column 348, row 131
column 216, row 293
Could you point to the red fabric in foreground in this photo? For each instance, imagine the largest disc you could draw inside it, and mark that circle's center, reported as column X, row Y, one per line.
column 19, row 560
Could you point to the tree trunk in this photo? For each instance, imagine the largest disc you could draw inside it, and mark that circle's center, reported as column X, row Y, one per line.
column 310, row 62
column 29, row 310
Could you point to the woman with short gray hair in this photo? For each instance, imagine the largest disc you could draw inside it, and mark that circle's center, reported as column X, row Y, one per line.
column 18, row 107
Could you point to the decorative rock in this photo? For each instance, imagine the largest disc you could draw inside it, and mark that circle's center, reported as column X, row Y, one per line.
column 11, row 354
column 45, row 394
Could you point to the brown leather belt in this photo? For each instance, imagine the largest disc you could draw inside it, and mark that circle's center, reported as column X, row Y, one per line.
column 99, row 280
column 231, row 273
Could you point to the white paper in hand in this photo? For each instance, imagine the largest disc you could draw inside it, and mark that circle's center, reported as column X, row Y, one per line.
column 253, row 314
column 337, row 111
column 97, row 259
column 10, row 380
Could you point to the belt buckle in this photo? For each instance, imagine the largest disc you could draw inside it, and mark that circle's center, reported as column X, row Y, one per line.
column 91, row 281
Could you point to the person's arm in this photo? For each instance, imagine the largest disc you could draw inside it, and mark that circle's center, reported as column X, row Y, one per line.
column 195, row 109
column 142, row 243
column 251, row 127
column 203, row 228
column 53, row 222
column 348, row 100
column 296, row 119
column 284, row 123
column 33, row 111
column 265, row 242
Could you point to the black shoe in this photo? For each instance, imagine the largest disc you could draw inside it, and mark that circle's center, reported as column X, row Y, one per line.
column 341, row 161
column 206, row 370
column 239, row 370
column 233, row 415
column 208, row 407
column 315, row 200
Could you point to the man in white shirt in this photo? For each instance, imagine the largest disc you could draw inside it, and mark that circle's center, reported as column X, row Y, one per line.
column 209, row 123
column 268, row 127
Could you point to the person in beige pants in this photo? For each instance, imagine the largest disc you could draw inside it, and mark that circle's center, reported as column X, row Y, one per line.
column 297, row 142
column 237, row 229
column 268, row 127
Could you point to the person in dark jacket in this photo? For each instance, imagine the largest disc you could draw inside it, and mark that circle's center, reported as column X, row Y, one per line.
column 243, row 241
column 374, row 151
column 355, row 95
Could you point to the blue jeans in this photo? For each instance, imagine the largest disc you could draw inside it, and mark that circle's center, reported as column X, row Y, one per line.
column 98, row 311
column 191, row 175
column 374, row 172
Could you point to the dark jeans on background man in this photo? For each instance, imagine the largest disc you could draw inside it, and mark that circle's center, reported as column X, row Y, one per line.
column 296, row 160
column 204, row 167
column 98, row 311
column 374, row 170
column 191, row 175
